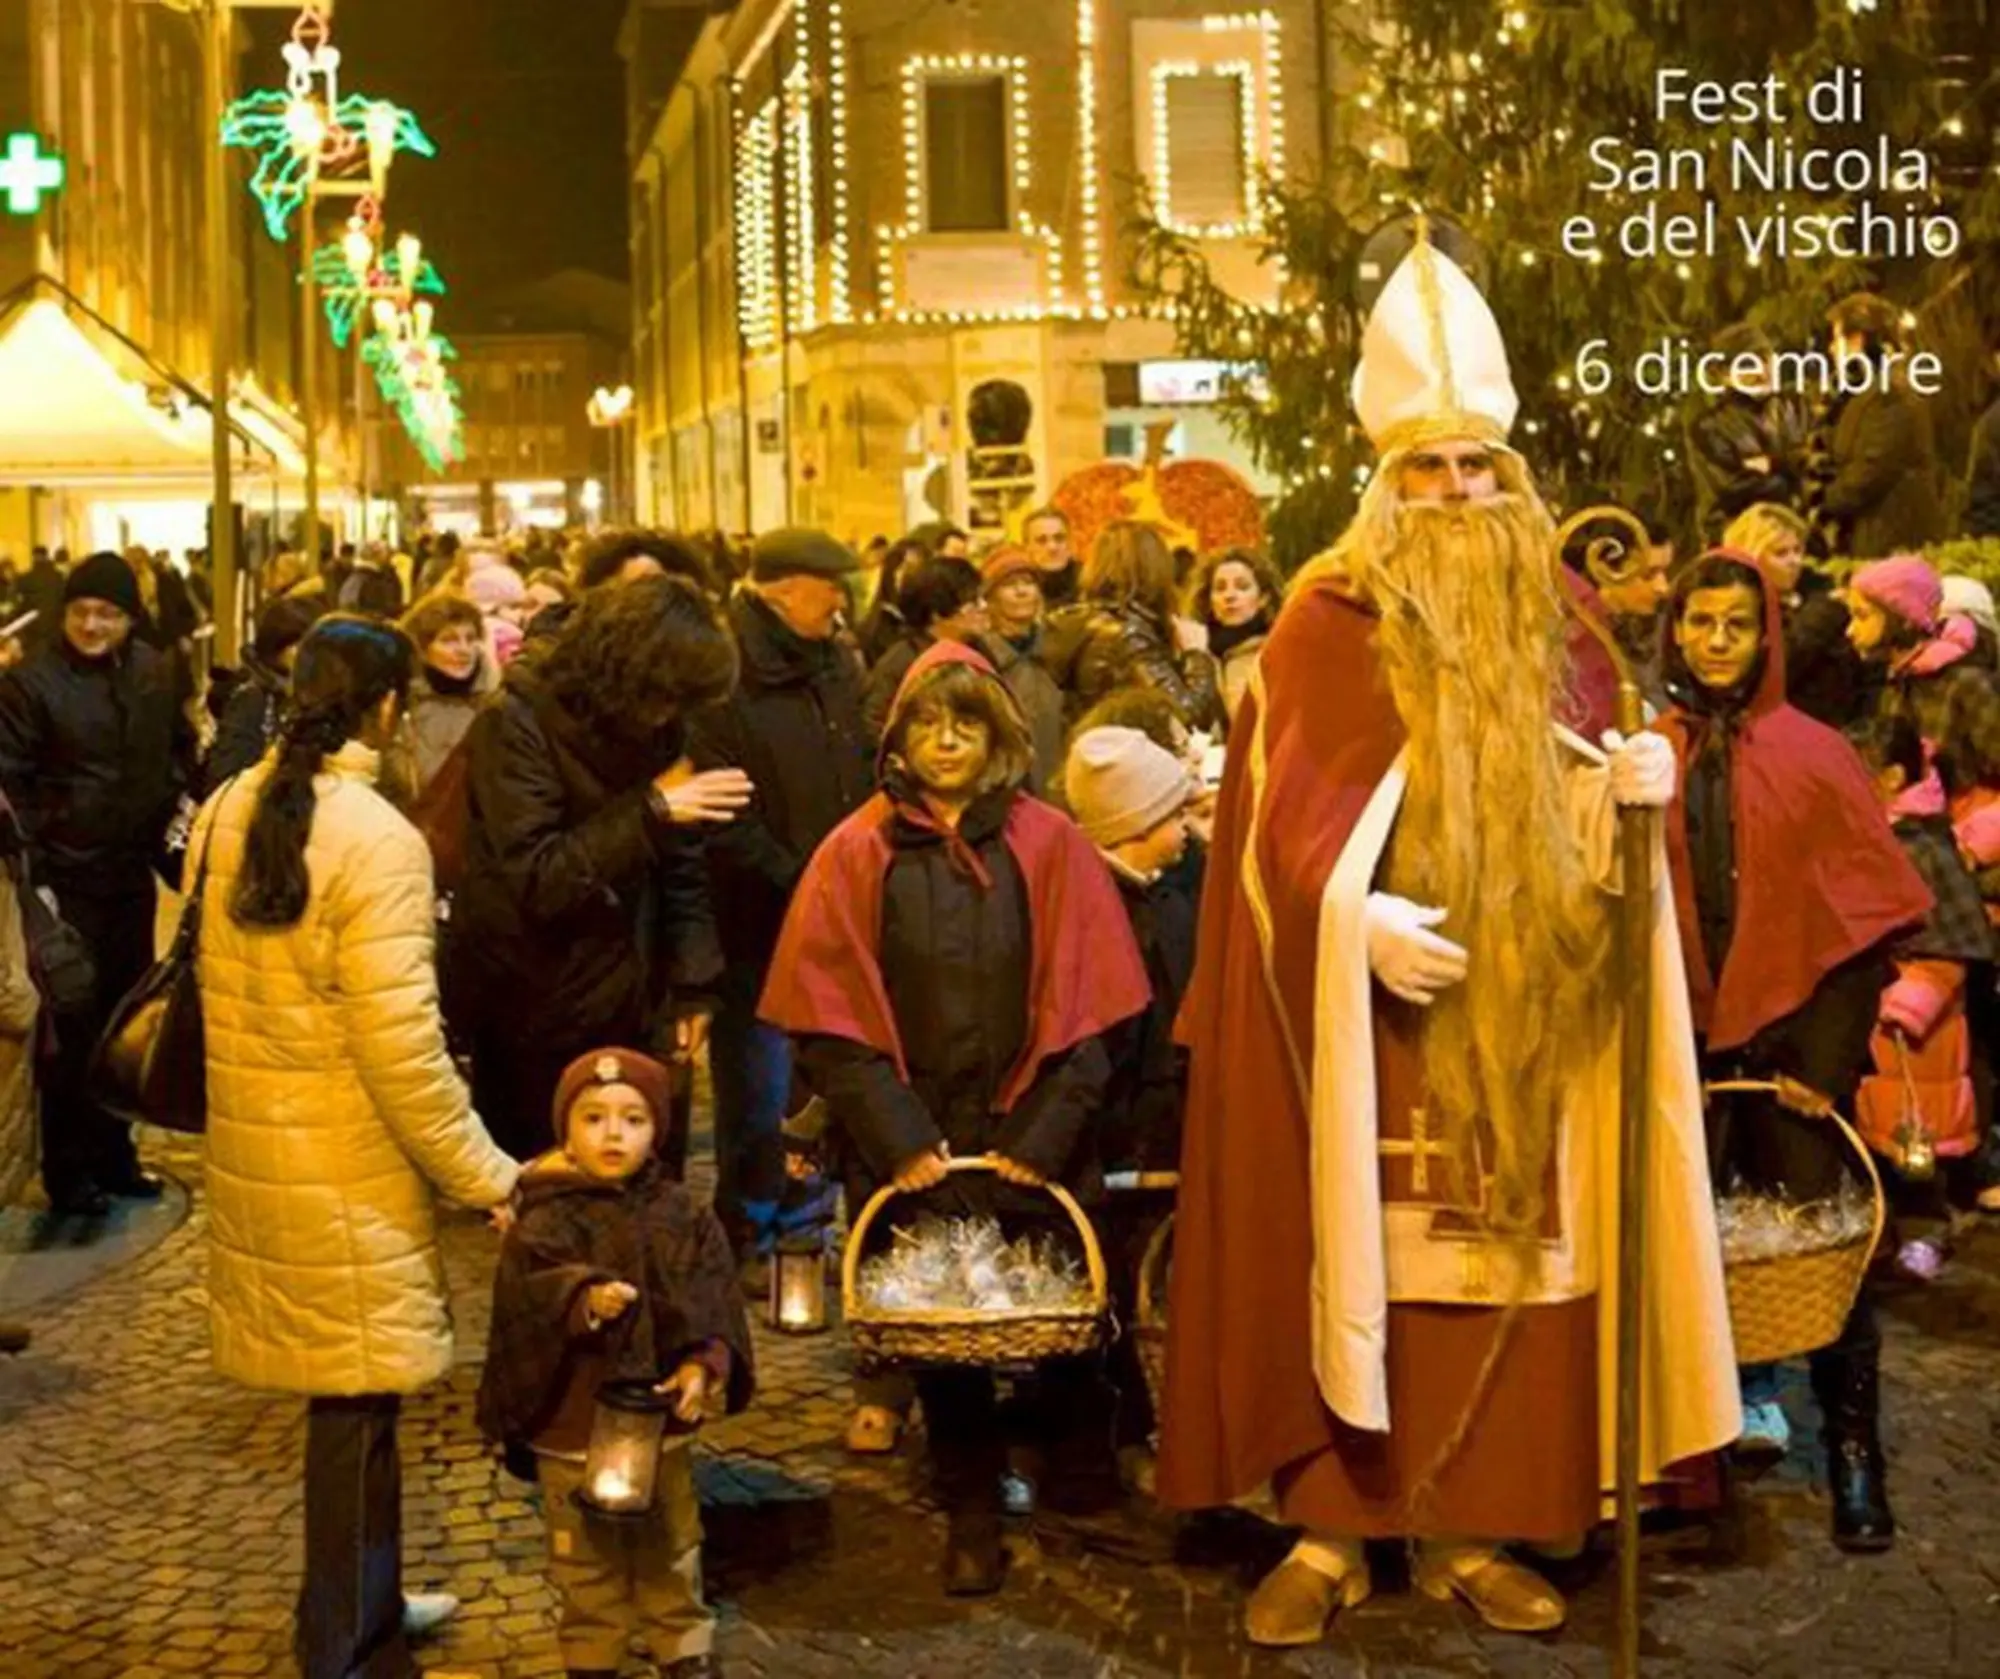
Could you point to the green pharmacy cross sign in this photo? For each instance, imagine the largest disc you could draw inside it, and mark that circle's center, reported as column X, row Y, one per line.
column 27, row 173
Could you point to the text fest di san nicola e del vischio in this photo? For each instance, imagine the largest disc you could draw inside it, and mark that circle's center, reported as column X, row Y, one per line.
column 1779, row 163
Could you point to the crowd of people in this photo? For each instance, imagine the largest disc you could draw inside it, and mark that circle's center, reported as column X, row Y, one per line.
column 498, row 843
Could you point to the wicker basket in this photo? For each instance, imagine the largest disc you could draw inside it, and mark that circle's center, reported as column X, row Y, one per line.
column 1149, row 1314
column 1798, row 1303
column 960, row 1335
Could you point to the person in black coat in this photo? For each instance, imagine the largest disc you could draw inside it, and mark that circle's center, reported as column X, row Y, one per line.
column 1748, row 444
column 794, row 726
column 253, row 712
column 41, row 593
column 584, row 916
column 885, row 624
column 940, row 599
column 1824, row 677
column 1881, row 497
column 95, row 753
column 950, row 972
column 1131, row 797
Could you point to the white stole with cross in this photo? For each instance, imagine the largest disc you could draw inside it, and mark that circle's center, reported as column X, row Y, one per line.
column 1364, row 1257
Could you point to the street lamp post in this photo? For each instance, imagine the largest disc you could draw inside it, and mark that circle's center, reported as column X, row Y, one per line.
column 218, row 24
column 309, row 378
column 220, row 27
column 609, row 412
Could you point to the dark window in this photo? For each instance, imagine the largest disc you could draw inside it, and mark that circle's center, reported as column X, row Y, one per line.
column 823, row 166
column 1205, row 149
column 965, row 155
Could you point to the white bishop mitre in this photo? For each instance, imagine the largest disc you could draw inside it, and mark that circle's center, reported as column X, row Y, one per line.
column 1433, row 363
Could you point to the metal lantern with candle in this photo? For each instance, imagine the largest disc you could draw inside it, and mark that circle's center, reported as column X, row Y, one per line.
column 798, row 1284
column 627, row 1433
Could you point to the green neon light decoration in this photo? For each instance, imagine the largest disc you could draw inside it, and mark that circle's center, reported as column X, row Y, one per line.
column 440, row 446
column 345, row 302
column 256, row 123
column 28, row 174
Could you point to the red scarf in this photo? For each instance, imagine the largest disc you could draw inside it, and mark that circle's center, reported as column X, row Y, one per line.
column 1819, row 876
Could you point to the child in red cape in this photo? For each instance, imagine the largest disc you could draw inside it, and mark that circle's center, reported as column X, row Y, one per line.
column 1791, row 893
column 954, row 955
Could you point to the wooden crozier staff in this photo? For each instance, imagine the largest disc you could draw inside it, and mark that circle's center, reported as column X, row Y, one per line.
column 1637, row 841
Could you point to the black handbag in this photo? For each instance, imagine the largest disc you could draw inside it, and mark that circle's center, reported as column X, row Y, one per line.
column 151, row 1064
column 60, row 960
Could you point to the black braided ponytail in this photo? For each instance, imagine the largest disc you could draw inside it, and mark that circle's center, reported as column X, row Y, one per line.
column 347, row 666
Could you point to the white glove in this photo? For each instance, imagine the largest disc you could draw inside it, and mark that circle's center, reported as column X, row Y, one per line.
column 1643, row 770
column 1410, row 961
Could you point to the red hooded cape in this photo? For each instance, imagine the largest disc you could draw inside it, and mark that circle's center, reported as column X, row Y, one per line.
column 1085, row 972
column 1820, row 877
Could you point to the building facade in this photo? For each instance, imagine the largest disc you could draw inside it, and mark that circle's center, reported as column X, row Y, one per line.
column 114, row 89
column 880, row 261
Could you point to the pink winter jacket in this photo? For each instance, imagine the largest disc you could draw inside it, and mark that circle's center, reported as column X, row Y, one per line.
column 1922, row 1050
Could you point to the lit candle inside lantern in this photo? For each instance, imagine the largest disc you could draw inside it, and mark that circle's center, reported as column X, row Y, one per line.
column 798, row 1285
column 612, row 1486
column 622, row 1464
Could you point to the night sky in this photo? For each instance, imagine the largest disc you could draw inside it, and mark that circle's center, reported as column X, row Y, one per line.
column 525, row 99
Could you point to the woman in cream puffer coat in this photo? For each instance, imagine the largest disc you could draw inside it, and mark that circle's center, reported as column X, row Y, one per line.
column 336, row 1114
column 336, row 1117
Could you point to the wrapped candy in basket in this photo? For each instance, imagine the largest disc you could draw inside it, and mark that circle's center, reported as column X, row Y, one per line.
column 957, row 1292
column 1794, row 1270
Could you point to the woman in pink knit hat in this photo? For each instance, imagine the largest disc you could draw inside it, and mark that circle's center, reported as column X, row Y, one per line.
column 1897, row 624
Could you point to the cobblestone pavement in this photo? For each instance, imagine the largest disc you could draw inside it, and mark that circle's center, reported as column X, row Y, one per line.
column 149, row 1520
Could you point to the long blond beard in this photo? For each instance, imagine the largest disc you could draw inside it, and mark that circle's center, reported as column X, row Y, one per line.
column 1472, row 644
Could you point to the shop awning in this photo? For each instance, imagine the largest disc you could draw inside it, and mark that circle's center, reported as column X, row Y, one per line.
column 85, row 411
column 68, row 417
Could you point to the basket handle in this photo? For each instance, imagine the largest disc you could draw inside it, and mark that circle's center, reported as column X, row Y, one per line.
column 850, row 1264
column 1150, row 1263
column 1730, row 1087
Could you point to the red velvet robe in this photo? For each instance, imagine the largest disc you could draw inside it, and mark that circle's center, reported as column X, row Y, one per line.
column 1243, row 1406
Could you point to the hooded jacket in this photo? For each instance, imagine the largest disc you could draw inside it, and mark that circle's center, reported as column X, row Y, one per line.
column 955, row 986
column 1784, row 867
column 544, row 1361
